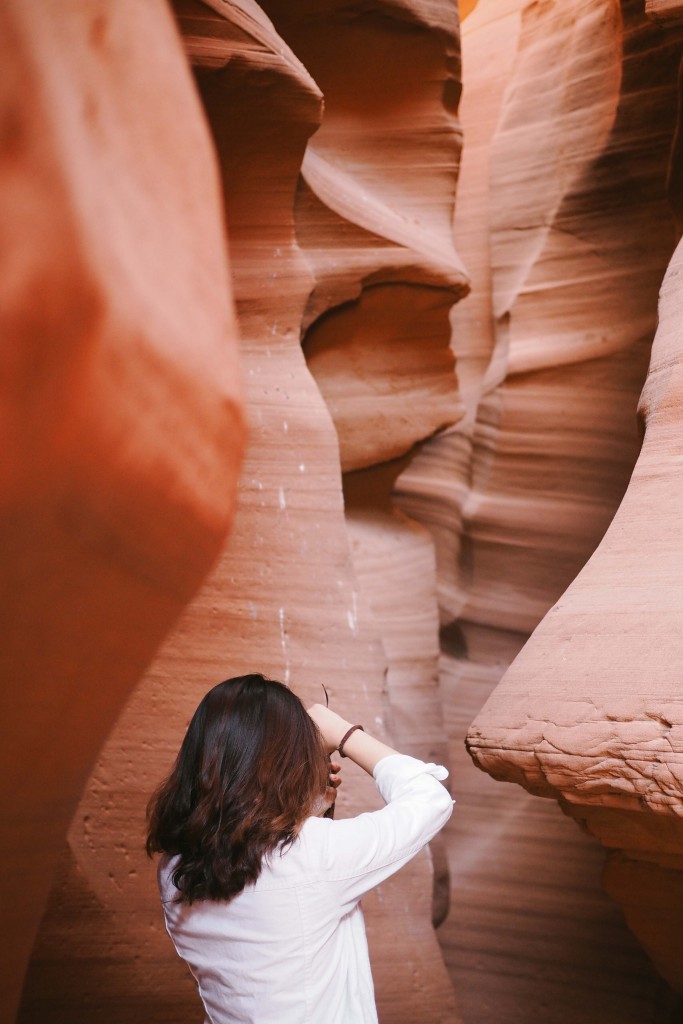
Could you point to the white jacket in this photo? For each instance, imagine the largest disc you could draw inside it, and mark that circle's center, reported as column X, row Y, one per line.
column 291, row 949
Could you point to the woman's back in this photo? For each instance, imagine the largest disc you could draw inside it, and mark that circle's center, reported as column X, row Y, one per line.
column 291, row 948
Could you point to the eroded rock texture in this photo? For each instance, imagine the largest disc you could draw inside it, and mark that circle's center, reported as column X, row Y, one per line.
column 121, row 414
column 579, row 237
column 335, row 128
column 285, row 597
column 374, row 216
column 591, row 711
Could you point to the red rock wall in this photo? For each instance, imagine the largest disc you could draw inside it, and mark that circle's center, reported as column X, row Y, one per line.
column 288, row 596
column 120, row 401
column 580, row 118
column 374, row 216
column 412, row 465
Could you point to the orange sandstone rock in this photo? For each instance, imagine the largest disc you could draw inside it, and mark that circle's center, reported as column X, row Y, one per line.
column 374, row 217
column 120, row 403
column 587, row 712
column 283, row 598
column 591, row 711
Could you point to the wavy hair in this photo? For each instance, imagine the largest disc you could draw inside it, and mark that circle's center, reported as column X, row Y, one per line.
column 250, row 770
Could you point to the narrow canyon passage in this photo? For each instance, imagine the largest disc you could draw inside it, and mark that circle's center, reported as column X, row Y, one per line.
column 531, row 933
column 436, row 248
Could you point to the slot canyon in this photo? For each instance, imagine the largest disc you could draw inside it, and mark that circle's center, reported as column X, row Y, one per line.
column 342, row 341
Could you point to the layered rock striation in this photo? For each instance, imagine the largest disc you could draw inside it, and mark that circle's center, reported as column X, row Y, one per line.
column 374, row 215
column 587, row 713
column 591, row 711
column 122, row 421
column 414, row 463
column 288, row 596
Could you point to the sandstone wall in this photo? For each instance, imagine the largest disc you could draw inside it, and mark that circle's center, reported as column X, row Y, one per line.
column 120, row 401
column 374, row 213
column 581, row 117
column 365, row 225
column 605, row 734
column 412, row 466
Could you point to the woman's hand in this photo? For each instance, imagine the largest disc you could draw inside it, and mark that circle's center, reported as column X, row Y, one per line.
column 333, row 783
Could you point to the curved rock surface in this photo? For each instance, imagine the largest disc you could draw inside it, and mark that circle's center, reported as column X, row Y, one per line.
column 480, row 466
column 284, row 597
column 575, row 268
column 121, row 441
column 519, row 493
column 591, row 711
column 374, row 217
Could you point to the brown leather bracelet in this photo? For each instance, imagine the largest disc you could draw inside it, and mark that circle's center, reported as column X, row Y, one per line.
column 345, row 737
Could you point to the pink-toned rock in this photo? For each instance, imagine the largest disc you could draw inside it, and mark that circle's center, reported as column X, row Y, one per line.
column 591, row 711
column 374, row 218
column 386, row 371
column 518, row 494
column 283, row 598
column 588, row 711
column 120, row 406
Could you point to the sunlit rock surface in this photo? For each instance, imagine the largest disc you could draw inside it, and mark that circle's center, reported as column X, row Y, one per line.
column 576, row 258
column 415, row 462
column 120, row 402
column 285, row 597
column 374, row 218
column 592, row 710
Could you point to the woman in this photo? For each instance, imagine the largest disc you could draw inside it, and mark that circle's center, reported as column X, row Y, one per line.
column 261, row 892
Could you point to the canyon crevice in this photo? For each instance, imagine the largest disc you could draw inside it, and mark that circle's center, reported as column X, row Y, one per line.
column 457, row 504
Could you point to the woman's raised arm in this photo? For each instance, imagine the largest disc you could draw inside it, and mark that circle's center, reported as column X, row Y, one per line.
column 365, row 750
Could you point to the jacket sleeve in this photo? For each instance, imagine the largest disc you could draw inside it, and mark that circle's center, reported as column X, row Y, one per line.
column 361, row 852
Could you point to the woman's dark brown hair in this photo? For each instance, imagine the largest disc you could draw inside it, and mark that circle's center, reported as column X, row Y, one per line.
column 250, row 770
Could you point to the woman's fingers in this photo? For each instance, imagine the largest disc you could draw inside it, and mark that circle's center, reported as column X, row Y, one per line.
column 334, row 778
column 333, row 782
